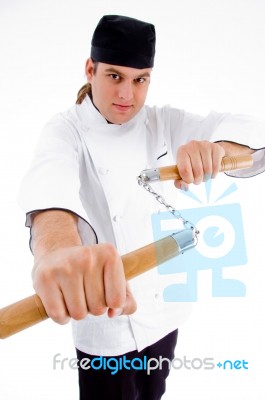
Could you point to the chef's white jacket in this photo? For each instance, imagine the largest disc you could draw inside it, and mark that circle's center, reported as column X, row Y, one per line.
column 88, row 166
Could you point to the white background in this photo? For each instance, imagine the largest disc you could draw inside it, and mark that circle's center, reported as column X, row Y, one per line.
column 210, row 56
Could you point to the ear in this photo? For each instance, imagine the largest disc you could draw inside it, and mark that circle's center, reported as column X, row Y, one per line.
column 89, row 69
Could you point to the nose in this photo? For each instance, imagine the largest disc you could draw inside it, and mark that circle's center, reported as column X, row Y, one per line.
column 125, row 90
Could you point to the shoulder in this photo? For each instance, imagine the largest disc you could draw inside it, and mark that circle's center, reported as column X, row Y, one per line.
column 165, row 116
column 163, row 112
column 66, row 123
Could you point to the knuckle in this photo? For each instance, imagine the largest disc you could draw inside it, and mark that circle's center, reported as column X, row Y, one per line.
column 116, row 301
column 198, row 178
column 91, row 256
column 205, row 145
column 111, row 252
column 42, row 278
column 58, row 317
column 85, row 256
column 198, row 173
column 63, row 272
column 78, row 314
column 198, row 181
column 193, row 142
column 193, row 145
column 185, row 174
column 207, row 170
column 197, row 170
column 181, row 148
column 97, row 310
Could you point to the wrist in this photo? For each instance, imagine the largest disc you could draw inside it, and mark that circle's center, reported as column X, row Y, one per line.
column 234, row 149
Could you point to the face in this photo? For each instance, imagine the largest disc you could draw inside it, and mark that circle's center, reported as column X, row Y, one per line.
column 118, row 92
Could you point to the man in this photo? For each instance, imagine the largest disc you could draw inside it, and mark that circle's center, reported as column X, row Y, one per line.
column 85, row 208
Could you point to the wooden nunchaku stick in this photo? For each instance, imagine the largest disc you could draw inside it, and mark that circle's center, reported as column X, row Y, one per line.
column 172, row 172
column 30, row 311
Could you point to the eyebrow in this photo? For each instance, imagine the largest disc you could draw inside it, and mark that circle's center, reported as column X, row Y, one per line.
column 116, row 71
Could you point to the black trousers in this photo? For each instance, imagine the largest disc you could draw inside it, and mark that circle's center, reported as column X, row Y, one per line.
column 126, row 377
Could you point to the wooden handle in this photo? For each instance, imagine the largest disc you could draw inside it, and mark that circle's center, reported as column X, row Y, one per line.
column 147, row 257
column 30, row 311
column 239, row 162
column 227, row 164
column 21, row 315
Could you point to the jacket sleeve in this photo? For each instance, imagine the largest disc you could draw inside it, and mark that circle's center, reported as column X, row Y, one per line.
column 52, row 181
column 216, row 127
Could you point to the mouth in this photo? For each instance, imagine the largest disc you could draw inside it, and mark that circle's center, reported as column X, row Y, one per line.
column 121, row 107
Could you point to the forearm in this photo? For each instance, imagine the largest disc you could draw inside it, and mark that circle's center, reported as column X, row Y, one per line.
column 235, row 149
column 52, row 230
column 199, row 161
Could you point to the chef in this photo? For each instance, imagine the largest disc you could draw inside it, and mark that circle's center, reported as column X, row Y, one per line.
column 85, row 208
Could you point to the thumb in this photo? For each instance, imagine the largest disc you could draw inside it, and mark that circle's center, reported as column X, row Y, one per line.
column 180, row 184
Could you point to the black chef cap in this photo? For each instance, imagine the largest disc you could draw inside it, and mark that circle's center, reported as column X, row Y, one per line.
column 124, row 41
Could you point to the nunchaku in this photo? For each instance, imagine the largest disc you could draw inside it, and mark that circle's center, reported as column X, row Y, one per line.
column 30, row 311
column 172, row 172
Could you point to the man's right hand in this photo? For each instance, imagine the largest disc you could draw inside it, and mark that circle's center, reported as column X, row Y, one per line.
column 75, row 280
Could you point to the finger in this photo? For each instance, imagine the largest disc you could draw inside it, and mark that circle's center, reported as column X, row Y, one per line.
column 218, row 154
column 190, row 163
column 184, row 166
column 94, row 280
column 201, row 160
column 180, row 184
column 129, row 307
column 52, row 298
column 105, row 284
column 54, row 305
column 130, row 304
column 207, row 160
column 114, row 280
column 74, row 296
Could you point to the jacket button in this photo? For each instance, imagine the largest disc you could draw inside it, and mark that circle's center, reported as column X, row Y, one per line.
column 103, row 171
column 117, row 218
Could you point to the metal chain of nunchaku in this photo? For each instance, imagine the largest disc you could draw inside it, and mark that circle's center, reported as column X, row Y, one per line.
column 171, row 172
column 161, row 200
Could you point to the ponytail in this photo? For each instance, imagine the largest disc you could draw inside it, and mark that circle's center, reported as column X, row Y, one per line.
column 85, row 90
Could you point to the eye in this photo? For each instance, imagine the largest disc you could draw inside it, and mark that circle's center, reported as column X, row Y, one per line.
column 115, row 77
column 140, row 80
